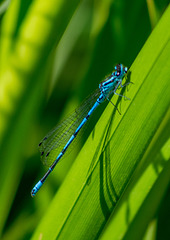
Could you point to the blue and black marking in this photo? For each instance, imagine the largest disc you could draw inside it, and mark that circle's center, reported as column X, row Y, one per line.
column 108, row 86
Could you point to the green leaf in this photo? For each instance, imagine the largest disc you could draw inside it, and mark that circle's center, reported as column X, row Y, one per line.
column 26, row 45
column 97, row 184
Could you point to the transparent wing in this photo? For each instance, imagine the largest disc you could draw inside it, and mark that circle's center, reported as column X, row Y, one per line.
column 53, row 143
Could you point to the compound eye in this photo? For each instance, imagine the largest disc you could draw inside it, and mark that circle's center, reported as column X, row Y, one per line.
column 126, row 69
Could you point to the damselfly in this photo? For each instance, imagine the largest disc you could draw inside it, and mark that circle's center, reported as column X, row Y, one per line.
column 57, row 142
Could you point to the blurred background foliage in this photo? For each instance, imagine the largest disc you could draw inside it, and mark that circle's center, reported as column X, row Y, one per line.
column 70, row 57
